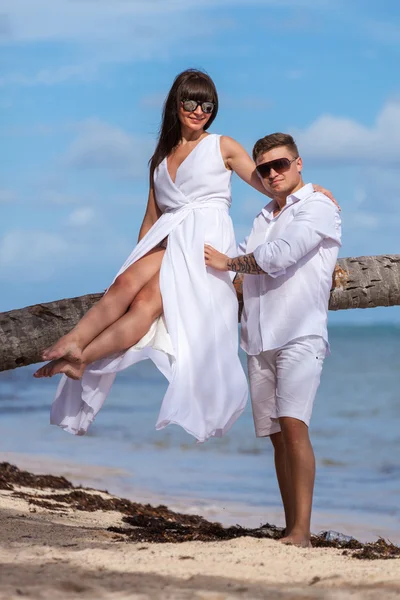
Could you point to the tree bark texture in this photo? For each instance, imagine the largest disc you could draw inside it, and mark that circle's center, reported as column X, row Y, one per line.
column 363, row 282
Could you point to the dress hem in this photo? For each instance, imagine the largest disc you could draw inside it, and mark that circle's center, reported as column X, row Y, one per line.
column 218, row 432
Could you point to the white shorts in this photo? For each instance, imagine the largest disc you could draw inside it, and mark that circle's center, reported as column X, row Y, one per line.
column 284, row 381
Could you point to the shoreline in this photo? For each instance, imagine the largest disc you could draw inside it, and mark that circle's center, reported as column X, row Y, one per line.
column 363, row 527
column 60, row 541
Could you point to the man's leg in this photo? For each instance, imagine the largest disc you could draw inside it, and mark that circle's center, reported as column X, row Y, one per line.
column 300, row 475
column 298, row 368
column 262, row 376
column 284, row 479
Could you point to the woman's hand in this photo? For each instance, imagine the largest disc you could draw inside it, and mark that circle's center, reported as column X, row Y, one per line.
column 319, row 188
column 215, row 259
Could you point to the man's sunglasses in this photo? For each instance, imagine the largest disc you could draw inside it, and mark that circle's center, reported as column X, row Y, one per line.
column 280, row 165
column 191, row 105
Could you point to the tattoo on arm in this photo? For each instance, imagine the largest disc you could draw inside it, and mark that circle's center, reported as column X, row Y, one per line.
column 244, row 264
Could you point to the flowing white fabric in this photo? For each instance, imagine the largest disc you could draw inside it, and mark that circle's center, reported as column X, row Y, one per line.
column 195, row 343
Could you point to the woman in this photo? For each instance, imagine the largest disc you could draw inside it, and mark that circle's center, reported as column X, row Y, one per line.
column 164, row 303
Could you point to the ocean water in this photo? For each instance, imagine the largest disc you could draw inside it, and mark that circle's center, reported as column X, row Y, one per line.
column 355, row 432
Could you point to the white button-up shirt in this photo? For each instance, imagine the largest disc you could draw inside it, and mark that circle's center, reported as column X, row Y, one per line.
column 298, row 250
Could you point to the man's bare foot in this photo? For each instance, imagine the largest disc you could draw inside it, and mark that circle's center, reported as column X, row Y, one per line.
column 300, row 540
column 67, row 347
column 72, row 370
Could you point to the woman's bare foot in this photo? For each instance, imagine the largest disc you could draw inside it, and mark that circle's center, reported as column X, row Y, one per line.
column 72, row 370
column 67, row 347
column 300, row 540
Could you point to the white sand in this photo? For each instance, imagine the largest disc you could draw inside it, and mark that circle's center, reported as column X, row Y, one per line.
column 53, row 555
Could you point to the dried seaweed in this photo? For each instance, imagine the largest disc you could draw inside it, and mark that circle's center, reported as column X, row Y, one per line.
column 144, row 523
column 11, row 475
column 319, row 541
column 381, row 549
column 52, row 506
column 158, row 529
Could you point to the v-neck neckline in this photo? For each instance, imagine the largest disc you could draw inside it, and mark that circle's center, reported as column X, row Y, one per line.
column 185, row 159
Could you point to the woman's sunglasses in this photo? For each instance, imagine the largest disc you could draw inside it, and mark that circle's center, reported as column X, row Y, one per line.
column 191, row 105
column 280, row 165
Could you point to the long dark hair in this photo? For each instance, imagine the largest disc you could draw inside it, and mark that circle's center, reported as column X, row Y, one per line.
column 188, row 85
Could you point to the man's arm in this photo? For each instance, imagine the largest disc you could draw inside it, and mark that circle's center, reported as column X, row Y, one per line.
column 317, row 219
column 241, row 264
column 244, row 264
column 241, row 252
column 310, row 226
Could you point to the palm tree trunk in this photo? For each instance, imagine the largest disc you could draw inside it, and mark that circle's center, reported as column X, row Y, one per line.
column 363, row 282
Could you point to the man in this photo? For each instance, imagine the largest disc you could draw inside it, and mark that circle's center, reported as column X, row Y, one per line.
column 287, row 261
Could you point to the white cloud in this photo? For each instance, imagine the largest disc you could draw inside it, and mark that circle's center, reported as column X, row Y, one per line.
column 378, row 193
column 295, row 74
column 103, row 146
column 48, row 77
column 385, row 32
column 99, row 33
column 102, row 21
column 40, row 128
column 54, row 196
column 81, row 216
column 104, row 31
column 30, row 255
column 370, row 210
column 152, row 100
column 372, row 230
column 364, row 220
column 250, row 102
column 5, row 26
column 332, row 139
column 7, row 196
column 360, row 196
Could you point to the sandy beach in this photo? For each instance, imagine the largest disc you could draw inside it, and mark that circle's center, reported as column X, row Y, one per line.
column 56, row 543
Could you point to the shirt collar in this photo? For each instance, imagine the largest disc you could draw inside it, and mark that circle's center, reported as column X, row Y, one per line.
column 301, row 194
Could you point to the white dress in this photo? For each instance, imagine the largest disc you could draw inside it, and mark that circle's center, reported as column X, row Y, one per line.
column 195, row 343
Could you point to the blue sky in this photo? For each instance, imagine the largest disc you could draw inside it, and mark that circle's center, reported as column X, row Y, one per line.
column 81, row 88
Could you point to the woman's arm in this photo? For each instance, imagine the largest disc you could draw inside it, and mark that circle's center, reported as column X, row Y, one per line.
column 236, row 159
column 152, row 214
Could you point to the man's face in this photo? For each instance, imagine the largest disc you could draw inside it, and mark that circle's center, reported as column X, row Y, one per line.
column 283, row 180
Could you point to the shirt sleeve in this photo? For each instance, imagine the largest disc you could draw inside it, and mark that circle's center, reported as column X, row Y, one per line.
column 317, row 219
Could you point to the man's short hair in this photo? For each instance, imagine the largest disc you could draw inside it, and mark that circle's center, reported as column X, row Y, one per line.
column 274, row 140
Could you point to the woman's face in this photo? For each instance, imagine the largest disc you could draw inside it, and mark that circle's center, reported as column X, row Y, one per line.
column 193, row 120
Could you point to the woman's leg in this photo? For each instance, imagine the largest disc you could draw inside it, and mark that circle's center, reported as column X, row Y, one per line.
column 108, row 310
column 121, row 335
